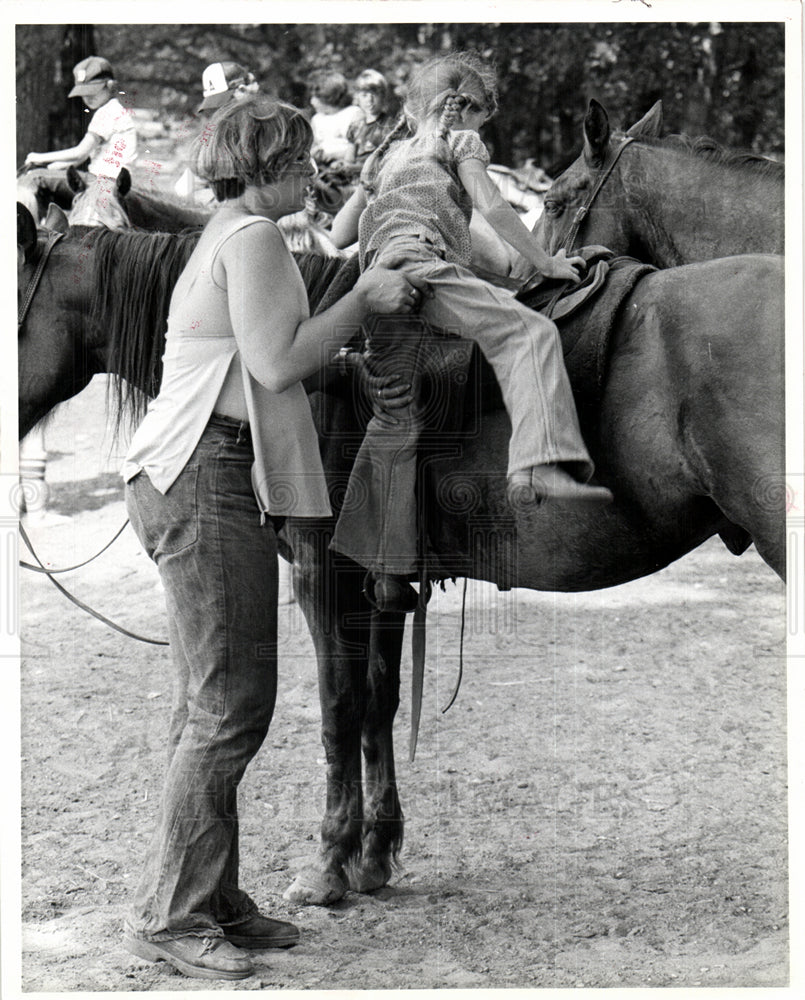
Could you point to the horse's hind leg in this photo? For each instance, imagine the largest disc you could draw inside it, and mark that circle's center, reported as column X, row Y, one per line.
column 336, row 614
column 383, row 819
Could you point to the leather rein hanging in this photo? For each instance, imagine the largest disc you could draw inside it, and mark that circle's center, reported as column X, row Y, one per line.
column 583, row 210
column 25, row 305
column 36, row 277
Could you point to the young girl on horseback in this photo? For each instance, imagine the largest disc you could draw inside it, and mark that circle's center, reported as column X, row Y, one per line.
column 412, row 212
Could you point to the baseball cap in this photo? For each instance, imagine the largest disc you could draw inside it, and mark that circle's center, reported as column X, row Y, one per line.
column 219, row 80
column 88, row 74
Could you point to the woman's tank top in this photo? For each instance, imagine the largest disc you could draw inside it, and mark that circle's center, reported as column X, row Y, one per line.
column 287, row 474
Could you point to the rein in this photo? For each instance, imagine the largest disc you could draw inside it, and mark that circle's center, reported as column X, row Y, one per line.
column 36, row 277
column 581, row 212
column 80, row 604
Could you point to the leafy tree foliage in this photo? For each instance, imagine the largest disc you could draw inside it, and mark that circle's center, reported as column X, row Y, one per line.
column 725, row 80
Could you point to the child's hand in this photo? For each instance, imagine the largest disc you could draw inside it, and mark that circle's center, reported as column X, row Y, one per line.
column 385, row 392
column 562, row 266
column 33, row 158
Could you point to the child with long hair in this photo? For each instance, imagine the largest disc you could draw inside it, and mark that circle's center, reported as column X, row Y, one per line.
column 412, row 212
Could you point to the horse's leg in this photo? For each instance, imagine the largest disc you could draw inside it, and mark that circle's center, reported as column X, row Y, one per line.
column 329, row 592
column 383, row 818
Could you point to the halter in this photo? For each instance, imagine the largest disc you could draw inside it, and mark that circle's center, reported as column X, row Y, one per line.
column 33, row 284
column 581, row 212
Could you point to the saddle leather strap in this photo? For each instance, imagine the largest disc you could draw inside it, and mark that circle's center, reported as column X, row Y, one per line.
column 418, row 629
column 33, row 284
column 581, row 212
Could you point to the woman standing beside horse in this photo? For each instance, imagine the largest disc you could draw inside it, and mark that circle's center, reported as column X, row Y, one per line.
column 227, row 447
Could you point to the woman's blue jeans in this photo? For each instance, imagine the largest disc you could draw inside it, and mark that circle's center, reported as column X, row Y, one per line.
column 218, row 566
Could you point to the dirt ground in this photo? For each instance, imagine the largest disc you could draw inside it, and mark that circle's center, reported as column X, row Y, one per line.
column 604, row 805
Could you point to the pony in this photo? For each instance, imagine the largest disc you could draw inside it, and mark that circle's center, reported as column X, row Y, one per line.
column 667, row 201
column 687, row 430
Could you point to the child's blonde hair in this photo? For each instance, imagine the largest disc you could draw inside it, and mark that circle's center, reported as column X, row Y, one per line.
column 250, row 142
column 441, row 85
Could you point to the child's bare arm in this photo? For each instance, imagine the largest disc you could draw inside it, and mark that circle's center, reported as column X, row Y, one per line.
column 507, row 223
column 345, row 225
column 75, row 154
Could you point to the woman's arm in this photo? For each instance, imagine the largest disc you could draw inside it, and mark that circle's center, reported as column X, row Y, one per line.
column 76, row 154
column 344, row 230
column 268, row 303
column 507, row 223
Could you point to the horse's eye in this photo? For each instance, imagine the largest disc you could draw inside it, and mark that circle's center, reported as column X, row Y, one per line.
column 552, row 207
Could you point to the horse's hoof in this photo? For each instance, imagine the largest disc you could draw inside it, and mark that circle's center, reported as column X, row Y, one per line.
column 367, row 876
column 315, row 888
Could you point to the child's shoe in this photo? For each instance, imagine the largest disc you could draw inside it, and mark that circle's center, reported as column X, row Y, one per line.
column 552, row 482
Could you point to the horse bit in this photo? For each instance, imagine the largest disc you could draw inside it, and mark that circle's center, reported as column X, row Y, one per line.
column 25, row 305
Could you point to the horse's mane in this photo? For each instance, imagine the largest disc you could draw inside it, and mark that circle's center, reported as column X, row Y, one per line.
column 134, row 275
column 705, row 148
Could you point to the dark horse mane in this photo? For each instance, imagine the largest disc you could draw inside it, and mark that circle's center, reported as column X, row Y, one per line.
column 134, row 275
column 705, row 148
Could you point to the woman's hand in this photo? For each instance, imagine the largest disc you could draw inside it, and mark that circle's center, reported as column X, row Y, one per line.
column 384, row 392
column 33, row 158
column 387, row 291
column 562, row 266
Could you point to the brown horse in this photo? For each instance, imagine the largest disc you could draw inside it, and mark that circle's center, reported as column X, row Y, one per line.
column 665, row 201
column 688, row 433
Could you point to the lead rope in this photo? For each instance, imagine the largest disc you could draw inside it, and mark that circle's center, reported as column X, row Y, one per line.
column 80, row 604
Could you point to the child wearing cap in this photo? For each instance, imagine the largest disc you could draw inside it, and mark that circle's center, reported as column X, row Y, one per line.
column 225, row 81
column 221, row 82
column 111, row 138
column 110, row 144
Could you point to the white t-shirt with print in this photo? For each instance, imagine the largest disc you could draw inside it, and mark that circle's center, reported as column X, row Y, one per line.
column 115, row 127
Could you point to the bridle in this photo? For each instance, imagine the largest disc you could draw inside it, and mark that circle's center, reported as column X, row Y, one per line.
column 36, row 277
column 25, row 305
column 583, row 210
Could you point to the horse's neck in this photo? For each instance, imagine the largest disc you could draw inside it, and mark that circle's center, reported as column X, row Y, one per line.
column 694, row 209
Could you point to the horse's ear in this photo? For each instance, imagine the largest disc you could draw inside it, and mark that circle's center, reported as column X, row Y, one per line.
column 26, row 230
column 596, row 134
column 56, row 219
column 123, row 185
column 649, row 125
column 75, row 181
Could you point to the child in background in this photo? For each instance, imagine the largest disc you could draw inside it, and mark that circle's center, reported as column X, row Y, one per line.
column 334, row 115
column 412, row 212
column 372, row 97
column 111, row 139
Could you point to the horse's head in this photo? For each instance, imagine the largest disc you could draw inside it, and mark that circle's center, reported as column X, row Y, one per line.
column 99, row 202
column 55, row 361
column 584, row 183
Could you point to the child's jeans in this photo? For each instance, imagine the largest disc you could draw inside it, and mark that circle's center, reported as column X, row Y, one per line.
column 377, row 526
